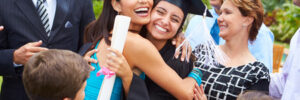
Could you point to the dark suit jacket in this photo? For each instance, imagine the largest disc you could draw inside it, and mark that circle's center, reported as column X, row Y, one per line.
column 22, row 25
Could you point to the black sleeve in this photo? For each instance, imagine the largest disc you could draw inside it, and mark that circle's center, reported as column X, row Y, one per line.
column 84, row 49
column 261, row 85
column 138, row 89
column 6, row 54
column 263, row 81
column 87, row 17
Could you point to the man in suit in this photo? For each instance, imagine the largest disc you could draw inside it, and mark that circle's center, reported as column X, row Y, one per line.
column 55, row 24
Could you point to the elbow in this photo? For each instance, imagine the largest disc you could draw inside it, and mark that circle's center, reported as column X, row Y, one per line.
column 188, row 95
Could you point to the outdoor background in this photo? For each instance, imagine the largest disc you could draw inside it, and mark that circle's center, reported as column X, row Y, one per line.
column 281, row 16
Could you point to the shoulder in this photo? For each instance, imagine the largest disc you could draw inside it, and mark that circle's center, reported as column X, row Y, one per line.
column 200, row 50
column 260, row 70
column 136, row 44
column 135, row 40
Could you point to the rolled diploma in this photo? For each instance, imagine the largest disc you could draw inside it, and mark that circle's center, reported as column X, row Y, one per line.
column 119, row 34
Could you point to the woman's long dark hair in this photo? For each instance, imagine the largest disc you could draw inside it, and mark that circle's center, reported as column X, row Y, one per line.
column 101, row 27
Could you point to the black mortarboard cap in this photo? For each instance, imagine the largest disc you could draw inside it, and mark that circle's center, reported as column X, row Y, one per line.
column 190, row 6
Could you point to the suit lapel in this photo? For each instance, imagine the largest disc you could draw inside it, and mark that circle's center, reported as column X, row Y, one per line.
column 28, row 9
column 62, row 10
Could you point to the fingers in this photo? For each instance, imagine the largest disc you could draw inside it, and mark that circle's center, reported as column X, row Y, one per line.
column 174, row 41
column 177, row 52
column 197, row 95
column 201, row 89
column 92, row 68
column 1, row 28
column 177, row 41
column 189, row 52
column 90, row 53
column 35, row 49
column 36, row 44
column 184, row 52
column 113, row 61
column 202, row 94
column 197, row 88
column 115, row 52
column 180, row 38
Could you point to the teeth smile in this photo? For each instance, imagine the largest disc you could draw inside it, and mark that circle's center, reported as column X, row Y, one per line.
column 142, row 10
column 160, row 28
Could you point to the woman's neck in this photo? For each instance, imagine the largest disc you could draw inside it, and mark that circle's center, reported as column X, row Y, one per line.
column 159, row 44
column 135, row 28
column 237, row 50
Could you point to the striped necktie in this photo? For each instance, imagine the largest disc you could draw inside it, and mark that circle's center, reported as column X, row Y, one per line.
column 42, row 11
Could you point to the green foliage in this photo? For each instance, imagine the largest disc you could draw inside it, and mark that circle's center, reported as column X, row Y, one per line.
column 287, row 22
column 206, row 2
column 98, row 6
column 270, row 5
column 0, row 83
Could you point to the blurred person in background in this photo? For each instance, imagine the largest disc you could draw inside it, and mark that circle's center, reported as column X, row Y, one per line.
column 239, row 23
column 261, row 48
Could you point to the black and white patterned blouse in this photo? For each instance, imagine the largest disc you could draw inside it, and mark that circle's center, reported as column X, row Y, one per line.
column 226, row 83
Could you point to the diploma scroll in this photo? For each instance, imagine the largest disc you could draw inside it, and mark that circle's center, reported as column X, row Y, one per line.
column 119, row 34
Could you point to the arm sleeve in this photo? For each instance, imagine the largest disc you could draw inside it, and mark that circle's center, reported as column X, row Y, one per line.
column 6, row 55
column 262, row 80
column 138, row 89
column 87, row 17
column 261, row 85
column 84, row 49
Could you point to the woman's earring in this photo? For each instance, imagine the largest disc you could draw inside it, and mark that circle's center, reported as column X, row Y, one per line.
column 244, row 25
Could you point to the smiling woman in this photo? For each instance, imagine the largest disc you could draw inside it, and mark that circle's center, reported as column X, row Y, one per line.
column 239, row 22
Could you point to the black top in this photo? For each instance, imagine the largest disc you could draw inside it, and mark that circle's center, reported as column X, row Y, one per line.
column 227, row 83
column 181, row 68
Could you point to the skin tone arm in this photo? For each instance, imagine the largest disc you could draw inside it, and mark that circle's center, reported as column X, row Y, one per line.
column 142, row 53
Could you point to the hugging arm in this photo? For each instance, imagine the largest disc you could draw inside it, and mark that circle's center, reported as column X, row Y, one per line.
column 141, row 53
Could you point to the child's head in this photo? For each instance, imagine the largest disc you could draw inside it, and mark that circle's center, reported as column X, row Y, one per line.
column 254, row 95
column 55, row 75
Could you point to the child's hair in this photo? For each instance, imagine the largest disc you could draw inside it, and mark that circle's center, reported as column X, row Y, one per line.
column 54, row 75
column 254, row 95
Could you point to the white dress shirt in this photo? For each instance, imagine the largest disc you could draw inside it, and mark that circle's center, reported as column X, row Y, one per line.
column 51, row 8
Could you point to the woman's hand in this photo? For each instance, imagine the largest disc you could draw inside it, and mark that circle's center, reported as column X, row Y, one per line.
column 186, row 49
column 88, row 58
column 199, row 93
column 117, row 63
